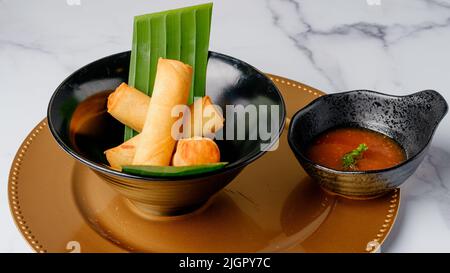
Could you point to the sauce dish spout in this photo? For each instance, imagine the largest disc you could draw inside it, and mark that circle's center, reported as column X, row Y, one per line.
column 434, row 106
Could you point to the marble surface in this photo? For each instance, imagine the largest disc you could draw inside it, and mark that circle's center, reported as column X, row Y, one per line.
column 397, row 46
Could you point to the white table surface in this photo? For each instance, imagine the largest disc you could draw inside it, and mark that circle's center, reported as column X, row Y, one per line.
column 398, row 46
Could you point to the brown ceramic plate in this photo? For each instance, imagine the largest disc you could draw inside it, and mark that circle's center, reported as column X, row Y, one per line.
column 60, row 205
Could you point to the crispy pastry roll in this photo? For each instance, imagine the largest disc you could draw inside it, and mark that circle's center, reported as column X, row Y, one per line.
column 171, row 88
column 212, row 122
column 129, row 106
column 123, row 154
column 196, row 151
column 204, row 118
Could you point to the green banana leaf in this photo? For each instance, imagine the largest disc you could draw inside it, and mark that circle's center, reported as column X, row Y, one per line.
column 172, row 171
column 180, row 34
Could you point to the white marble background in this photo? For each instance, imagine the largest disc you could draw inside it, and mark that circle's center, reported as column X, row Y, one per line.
column 398, row 46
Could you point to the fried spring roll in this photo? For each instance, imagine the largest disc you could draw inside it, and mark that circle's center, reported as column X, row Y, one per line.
column 129, row 106
column 123, row 154
column 172, row 83
column 196, row 151
column 205, row 118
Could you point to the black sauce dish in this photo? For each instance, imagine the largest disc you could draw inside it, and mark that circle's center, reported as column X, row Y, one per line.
column 229, row 82
column 410, row 120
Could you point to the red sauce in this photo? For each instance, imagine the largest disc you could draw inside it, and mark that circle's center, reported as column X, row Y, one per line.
column 328, row 148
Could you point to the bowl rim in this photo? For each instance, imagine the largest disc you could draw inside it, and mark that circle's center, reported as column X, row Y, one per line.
column 305, row 109
column 107, row 170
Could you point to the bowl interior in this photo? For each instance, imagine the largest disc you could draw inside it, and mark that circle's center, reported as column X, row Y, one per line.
column 78, row 119
column 409, row 120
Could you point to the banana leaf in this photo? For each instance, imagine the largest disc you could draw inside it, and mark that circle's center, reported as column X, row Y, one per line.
column 172, row 171
column 180, row 34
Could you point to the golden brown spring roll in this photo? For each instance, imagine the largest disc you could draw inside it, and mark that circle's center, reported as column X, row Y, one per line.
column 129, row 106
column 171, row 88
column 205, row 118
column 196, row 151
column 123, row 154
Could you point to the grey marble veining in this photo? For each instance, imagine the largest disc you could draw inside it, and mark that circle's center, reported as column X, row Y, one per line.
column 303, row 33
column 432, row 182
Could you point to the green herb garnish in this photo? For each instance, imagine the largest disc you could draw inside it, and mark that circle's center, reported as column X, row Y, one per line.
column 349, row 160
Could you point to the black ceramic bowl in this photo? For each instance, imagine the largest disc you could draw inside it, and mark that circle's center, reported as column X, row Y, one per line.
column 410, row 120
column 229, row 82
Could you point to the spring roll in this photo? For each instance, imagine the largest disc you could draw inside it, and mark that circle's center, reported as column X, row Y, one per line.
column 129, row 106
column 171, row 88
column 196, row 151
column 124, row 153
column 205, row 118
